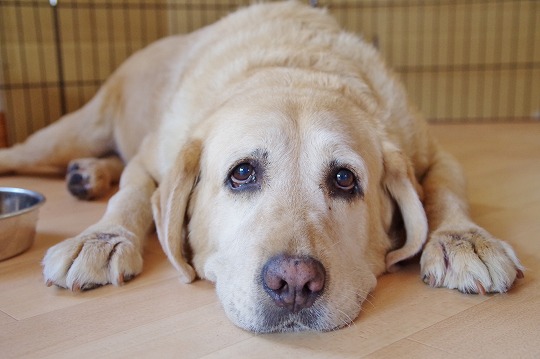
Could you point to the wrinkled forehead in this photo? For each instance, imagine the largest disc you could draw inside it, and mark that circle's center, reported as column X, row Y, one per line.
column 289, row 131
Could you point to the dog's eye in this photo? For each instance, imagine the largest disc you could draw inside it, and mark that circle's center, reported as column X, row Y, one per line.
column 345, row 180
column 343, row 183
column 242, row 174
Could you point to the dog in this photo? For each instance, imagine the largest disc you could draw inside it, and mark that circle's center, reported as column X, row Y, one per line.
column 279, row 158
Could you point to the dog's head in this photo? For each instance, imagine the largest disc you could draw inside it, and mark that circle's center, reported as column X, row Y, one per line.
column 285, row 200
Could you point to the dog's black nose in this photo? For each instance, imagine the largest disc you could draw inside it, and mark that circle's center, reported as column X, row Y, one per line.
column 293, row 282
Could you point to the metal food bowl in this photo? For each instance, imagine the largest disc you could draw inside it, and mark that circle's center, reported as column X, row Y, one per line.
column 18, row 218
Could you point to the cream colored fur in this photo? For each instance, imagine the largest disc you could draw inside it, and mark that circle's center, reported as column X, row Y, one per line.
column 282, row 85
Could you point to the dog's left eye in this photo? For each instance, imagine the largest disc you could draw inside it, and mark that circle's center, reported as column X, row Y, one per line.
column 241, row 175
column 345, row 180
column 343, row 183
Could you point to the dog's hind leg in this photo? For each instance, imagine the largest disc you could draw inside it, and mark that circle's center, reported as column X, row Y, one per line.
column 89, row 178
column 83, row 133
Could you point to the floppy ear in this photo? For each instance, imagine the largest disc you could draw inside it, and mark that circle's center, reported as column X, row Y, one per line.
column 169, row 205
column 401, row 183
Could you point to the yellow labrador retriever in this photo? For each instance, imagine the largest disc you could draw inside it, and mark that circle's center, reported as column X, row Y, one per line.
column 278, row 158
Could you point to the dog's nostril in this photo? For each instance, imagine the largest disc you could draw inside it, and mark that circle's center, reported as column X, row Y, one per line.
column 293, row 282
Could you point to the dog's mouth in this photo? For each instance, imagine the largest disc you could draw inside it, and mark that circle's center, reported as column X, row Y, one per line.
column 263, row 316
column 286, row 327
column 279, row 320
column 268, row 318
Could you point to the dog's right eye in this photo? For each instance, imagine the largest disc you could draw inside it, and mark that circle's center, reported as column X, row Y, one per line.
column 242, row 175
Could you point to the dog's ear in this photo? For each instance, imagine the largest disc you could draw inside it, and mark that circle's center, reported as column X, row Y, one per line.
column 169, row 205
column 400, row 182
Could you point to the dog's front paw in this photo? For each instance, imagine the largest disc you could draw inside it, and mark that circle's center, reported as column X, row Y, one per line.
column 471, row 261
column 92, row 259
column 86, row 179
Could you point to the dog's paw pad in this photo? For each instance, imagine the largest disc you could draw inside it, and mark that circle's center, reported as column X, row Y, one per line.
column 78, row 185
column 471, row 261
column 92, row 260
column 86, row 179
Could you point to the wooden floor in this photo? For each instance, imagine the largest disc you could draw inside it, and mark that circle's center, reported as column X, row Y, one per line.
column 156, row 316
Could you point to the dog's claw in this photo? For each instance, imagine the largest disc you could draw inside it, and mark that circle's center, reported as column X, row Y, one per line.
column 520, row 274
column 49, row 283
column 480, row 287
column 76, row 287
column 430, row 280
column 121, row 279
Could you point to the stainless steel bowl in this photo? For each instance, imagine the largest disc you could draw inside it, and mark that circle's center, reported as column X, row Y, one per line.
column 18, row 218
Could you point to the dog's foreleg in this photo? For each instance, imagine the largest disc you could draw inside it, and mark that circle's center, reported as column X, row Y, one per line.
column 460, row 254
column 109, row 251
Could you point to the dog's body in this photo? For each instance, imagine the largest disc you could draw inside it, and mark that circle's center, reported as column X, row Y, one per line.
column 280, row 158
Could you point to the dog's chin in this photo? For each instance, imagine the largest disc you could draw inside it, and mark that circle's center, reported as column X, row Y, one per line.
column 270, row 319
column 293, row 325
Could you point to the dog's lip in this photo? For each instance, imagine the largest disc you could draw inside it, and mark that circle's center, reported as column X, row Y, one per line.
column 291, row 326
column 288, row 326
column 297, row 325
column 279, row 320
